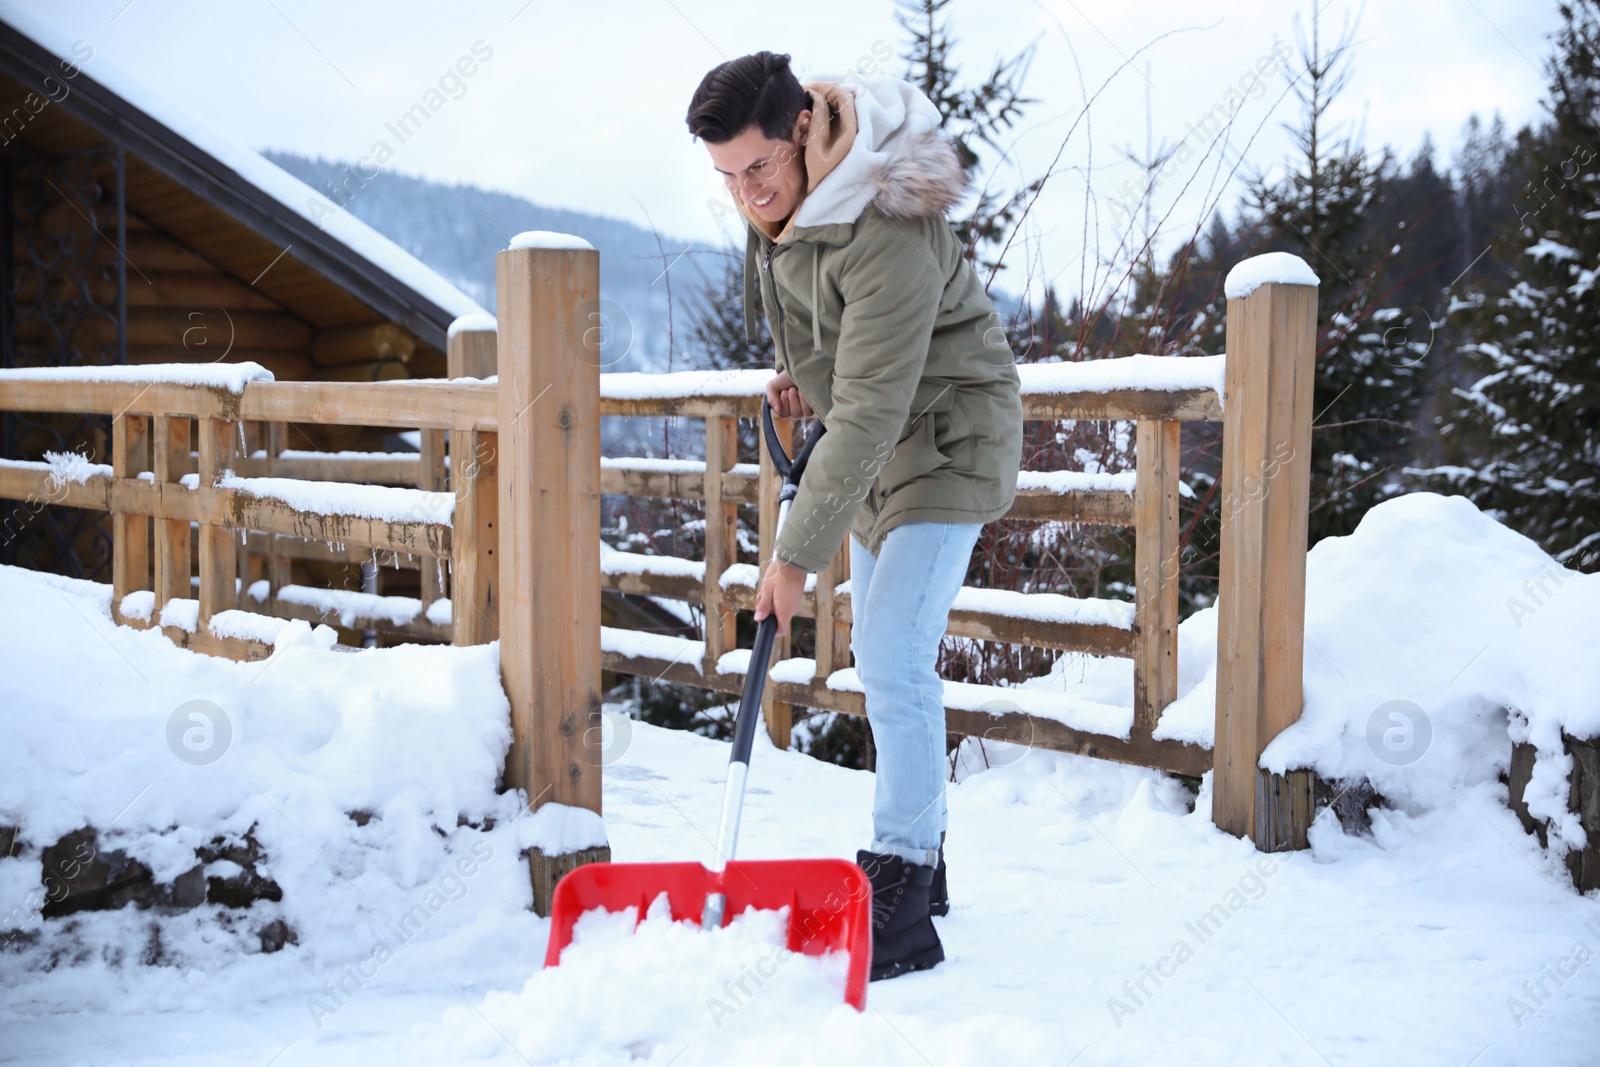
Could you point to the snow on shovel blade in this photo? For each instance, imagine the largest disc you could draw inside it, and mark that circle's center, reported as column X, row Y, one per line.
column 829, row 902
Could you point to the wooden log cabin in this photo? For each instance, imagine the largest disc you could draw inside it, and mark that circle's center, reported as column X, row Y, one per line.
column 133, row 233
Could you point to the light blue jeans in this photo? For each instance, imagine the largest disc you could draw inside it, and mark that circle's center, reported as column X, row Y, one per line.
column 900, row 603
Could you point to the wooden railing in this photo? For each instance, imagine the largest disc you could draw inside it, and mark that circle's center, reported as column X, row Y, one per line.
column 516, row 517
column 1147, row 499
column 175, row 462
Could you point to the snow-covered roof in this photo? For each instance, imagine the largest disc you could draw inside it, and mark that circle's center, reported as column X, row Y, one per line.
column 169, row 137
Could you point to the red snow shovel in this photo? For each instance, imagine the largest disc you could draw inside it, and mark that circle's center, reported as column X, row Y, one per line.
column 829, row 900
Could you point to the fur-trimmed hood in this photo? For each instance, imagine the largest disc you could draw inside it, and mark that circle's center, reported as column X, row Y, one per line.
column 874, row 141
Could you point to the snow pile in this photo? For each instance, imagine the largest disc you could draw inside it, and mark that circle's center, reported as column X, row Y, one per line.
column 670, row 992
column 383, row 502
column 1425, row 629
column 1432, row 632
column 249, row 626
column 654, row 463
column 351, row 605
column 1284, row 268
column 1159, row 373
column 559, row 829
column 1098, row 917
column 476, row 321
column 1046, row 607
column 73, row 467
column 683, row 384
column 548, row 239
column 364, row 778
column 230, row 376
column 1079, row 481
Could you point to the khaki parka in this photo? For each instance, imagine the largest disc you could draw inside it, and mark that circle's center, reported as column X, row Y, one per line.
column 886, row 329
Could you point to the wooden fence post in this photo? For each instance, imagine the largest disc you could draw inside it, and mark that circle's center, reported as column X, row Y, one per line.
column 779, row 715
column 721, row 542
column 474, row 477
column 1266, row 464
column 280, row 568
column 219, row 564
column 431, row 476
column 549, row 503
column 130, row 534
column 169, row 444
column 1155, row 597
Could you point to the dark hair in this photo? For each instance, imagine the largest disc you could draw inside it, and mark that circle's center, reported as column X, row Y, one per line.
column 754, row 90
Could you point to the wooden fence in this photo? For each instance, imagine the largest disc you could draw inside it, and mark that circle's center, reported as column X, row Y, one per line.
column 525, row 451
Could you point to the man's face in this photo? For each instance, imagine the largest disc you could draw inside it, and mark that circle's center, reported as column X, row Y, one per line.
column 767, row 176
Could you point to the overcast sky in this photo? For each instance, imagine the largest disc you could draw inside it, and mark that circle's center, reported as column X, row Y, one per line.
column 581, row 105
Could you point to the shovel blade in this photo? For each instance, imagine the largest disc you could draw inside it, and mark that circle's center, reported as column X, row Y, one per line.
column 829, row 902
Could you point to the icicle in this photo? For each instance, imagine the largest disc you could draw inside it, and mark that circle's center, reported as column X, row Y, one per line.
column 244, row 449
column 438, row 563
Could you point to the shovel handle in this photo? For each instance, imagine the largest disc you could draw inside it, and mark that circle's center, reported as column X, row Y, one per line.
column 755, row 682
column 755, row 678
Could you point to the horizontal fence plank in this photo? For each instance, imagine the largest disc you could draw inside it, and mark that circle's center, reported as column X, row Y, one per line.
column 395, row 468
column 1121, row 405
column 680, row 580
column 657, row 480
column 1103, row 507
column 473, row 405
column 675, row 480
column 439, row 405
column 228, row 508
column 690, row 407
column 420, row 628
column 460, row 405
column 116, row 398
column 203, row 640
column 1126, row 405
column 262, row 544
column 1016, row 727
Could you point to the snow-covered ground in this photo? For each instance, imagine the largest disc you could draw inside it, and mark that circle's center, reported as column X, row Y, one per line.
column 1097, row 917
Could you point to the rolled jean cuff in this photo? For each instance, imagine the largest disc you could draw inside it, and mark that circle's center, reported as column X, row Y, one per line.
column 924, row 857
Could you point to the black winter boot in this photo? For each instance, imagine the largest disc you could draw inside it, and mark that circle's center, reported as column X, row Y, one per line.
column 903, row 937
column 939, row 892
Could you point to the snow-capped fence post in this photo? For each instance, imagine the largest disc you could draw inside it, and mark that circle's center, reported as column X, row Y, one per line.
column 548, row 357
column 1271, row 366
column 474, row 477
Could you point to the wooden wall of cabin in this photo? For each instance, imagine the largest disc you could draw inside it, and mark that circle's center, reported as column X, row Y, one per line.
column 183, row 308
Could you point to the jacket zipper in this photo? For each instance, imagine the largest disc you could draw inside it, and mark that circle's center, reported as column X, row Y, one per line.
column 870, row 501
column 782, row 347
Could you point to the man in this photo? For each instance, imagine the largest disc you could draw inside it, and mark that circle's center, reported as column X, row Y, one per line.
column 882, row 330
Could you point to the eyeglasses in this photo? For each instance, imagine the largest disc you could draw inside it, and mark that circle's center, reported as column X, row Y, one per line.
column 763, row 170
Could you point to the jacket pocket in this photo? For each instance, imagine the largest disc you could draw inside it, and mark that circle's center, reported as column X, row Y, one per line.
column 915, row 455
column 954, row 436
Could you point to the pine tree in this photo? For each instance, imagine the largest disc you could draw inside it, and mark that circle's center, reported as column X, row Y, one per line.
column 970, row 116
column 1533, row 411
column 1321, row 210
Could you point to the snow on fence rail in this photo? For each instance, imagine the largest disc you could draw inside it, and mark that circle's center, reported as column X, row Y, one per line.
column 179, row 459
column 511, row 441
